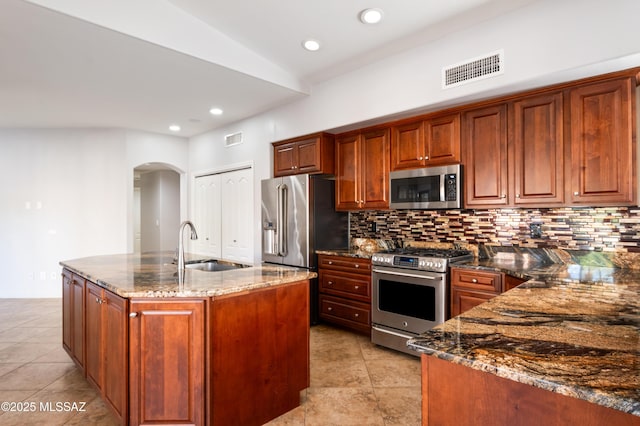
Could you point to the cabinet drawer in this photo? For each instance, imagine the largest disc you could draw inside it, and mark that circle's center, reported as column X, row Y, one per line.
column 477, row 280
column 339, row 309
column 347, row 285
column 343, row 263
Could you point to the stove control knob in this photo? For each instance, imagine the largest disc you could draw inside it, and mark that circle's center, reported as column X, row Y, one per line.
column 374, row 258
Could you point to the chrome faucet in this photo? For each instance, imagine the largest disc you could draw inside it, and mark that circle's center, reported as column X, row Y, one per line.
column 194, row 236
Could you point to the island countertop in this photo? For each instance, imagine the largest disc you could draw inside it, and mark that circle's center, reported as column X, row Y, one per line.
column 155, row 275
column 573, row 330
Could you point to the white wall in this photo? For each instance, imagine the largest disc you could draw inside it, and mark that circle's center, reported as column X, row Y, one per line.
column 545, row 42
column 66, row 194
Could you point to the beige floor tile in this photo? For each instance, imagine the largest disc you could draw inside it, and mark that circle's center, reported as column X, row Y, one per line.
column 34, row 376
column 400, row 406
column 342, row 406
column 404, row 371
column 25, row 351
column 345, row 373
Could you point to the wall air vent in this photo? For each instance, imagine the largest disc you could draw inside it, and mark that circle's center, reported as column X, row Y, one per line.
column 473, row 69
column 233, row 139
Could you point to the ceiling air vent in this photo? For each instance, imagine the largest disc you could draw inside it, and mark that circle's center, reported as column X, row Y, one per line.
column 473, row 69
column 233, row 139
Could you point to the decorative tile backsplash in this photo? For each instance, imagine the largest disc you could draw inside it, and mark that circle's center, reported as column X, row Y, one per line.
column 615, row 231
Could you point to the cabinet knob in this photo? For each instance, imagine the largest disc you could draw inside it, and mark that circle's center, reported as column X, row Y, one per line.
column 503, row 196
column 330, row 262
column 426, row 157
column 329, row 308
column 133, row 314
column 474, row 280
column 356, row 265
column 355, row 287
column 330, row 282
column 517, row 195
column 356, row 315
column 576, row 193
column 420, row 158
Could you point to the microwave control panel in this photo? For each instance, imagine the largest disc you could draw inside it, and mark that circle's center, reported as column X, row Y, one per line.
column 451, row 187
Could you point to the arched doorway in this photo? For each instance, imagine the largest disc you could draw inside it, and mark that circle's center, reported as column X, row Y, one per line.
column 156, row 205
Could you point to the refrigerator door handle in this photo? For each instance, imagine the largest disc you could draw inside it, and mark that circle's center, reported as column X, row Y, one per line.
column 282, row 223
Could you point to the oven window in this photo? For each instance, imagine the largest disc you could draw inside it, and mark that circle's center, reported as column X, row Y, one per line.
column 415, row 189
column 412, row 300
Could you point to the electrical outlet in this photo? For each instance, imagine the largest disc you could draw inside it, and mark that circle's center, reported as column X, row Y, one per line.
column 535, row 230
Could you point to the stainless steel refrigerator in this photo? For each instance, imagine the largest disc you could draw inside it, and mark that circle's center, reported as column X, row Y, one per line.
column 299, row 218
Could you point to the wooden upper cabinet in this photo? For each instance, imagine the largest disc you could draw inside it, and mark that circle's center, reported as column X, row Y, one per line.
column 484, row 144
column 537, row 143
column 305, row 154
column 435, row 141
column 602, row 149
column 362, row 170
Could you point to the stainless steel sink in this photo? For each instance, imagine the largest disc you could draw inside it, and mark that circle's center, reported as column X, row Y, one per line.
column 214, row 265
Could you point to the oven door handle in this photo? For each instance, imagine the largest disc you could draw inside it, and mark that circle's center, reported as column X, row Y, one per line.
column 404, row 274
column 383, row 330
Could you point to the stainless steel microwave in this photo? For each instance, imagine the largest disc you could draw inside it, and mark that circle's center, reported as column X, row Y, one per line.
column 427, row 188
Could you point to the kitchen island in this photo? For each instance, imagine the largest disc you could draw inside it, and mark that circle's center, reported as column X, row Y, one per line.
column 224, row 347
column 562, row 348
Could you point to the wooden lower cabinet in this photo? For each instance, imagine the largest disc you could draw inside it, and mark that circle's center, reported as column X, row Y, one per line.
column 73, row 317
column 242, row 358
column 453, row 394
column 167, row 361
column 345, row 292
column 471, row 287
column 106, row 344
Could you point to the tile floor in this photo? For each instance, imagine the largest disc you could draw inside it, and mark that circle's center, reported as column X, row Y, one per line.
column 352, row 381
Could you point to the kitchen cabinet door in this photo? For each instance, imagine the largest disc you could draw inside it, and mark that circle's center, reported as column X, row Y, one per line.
column 67, row 312
column 374, row 175
column 538, row 148
column 115, row 332
column 306, row 154
column 602, row 149
column 348, row 172
column 107, row 347
column 94, row 342
column 77, row 321
column 169, row 388
column 442, row 140
column 485, row 156
column 408, row 147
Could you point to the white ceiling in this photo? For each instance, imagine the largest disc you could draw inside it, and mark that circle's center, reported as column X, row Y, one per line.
column 146, row 64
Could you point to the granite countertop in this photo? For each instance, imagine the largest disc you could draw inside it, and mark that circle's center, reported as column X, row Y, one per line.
column 154, row 275
column 570, row 329
column 347, row 253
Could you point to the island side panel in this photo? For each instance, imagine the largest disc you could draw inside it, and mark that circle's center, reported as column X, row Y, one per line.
column 259, row 353
column 453, row 394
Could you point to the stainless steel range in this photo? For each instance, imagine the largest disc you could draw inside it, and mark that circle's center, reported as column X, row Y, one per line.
column 410, row 293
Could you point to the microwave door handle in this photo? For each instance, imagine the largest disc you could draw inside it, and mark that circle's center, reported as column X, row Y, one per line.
column 282, row 220
column 443, row 180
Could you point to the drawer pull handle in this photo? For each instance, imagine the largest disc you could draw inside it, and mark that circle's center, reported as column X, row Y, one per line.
column 474, row 280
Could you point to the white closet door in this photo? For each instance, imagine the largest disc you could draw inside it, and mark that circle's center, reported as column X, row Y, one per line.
column 237, row 215
column 207, row 216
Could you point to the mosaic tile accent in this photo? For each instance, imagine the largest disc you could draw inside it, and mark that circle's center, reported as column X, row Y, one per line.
column 612, row 231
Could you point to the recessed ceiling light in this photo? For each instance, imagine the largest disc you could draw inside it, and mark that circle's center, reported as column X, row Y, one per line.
column 311, row 45
column 174, row 128
column 370, row 16
column 215, row 111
